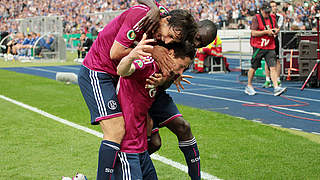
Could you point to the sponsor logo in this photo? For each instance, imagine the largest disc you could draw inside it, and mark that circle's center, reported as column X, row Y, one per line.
column 108, row 170
column 139, row 63
column 131, row 35
column 112, row 105
column 195, row 159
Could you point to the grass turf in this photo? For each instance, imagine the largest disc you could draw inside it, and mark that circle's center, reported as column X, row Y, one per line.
column 230, row 148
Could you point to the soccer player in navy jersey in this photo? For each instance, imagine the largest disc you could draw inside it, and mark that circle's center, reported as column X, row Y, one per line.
column 135, row 100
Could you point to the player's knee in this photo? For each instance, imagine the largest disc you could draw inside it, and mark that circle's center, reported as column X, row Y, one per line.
column 183, row 128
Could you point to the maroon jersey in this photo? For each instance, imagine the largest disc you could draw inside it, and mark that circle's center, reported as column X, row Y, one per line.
column 135, row 101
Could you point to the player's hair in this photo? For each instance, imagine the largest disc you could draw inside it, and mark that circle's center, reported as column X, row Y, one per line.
column 183, row 49
column 183, row 22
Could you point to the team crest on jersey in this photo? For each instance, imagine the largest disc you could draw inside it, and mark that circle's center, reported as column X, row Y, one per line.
column 112, row 105
column 131, row 35
column 140, row 63
column 163, row 11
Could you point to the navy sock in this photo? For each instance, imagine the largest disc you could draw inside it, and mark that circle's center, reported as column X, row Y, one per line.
column 192, row 156
column 107, row 158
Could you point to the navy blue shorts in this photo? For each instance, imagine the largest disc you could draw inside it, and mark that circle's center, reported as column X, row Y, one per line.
column 163, row 110
column 134, row 166
column 98, row 90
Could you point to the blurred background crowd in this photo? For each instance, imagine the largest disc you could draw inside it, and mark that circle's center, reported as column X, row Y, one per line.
column 228, row 14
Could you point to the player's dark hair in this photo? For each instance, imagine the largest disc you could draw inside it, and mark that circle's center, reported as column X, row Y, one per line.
column 183, row 49
column 183, row 22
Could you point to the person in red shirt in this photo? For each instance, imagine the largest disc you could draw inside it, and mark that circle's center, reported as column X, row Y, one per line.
column 264, row 29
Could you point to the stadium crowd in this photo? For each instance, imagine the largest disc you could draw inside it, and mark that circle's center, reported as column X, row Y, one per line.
column 235, row 14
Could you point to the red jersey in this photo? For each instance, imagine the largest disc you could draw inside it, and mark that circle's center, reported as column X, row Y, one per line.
column 265, row 41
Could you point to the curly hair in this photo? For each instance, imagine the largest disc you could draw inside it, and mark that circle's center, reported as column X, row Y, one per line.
column 183, row 23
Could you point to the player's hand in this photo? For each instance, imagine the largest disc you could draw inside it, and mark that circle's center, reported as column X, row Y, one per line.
column 142, row 49
column 155, row 80
column 150, row 22
column 180, row 79
column 163, row 60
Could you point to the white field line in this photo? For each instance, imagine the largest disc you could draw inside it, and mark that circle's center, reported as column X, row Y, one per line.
column 245, row 102
column 100, row 135
column 40, row 69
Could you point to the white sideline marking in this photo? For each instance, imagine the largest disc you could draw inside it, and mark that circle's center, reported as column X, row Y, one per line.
column 315, row 133
column 277, row 125
column 245, row 102
column 98, row 134
column 296, row 129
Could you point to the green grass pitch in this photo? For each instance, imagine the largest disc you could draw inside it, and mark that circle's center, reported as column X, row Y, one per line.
column 36, row 147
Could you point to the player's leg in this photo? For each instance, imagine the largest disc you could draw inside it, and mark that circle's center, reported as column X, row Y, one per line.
column 99, row 93
column 187, row 144
column 147, row 168
column 165, row 112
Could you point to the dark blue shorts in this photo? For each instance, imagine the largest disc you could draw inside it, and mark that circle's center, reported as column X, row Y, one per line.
column 134, row 166
column 98, row 90
column 163, row 110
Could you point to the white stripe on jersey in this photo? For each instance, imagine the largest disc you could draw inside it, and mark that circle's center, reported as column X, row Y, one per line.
column 126, row 174
column 136, row 27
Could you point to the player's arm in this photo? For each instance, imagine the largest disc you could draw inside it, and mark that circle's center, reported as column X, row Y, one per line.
column 118, row 51
column 126, row 67
column 151, row 20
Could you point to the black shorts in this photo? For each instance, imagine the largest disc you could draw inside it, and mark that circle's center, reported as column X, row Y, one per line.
column 163, row 110
column 268, row 55
column 276, row 39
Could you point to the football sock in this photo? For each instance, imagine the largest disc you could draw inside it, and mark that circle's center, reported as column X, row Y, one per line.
column 107, row 158
column 192, row 156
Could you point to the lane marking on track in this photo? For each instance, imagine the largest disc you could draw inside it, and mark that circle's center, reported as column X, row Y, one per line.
column 100, row 135
column 245, row 102
column 40, row 69
column 242, row 89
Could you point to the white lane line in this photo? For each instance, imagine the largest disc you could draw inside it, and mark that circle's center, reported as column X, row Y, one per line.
column 40, row 69
column 242, row 89
column 73, row 68
column 233, row 81
column 245, row 102
column 100, row 135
